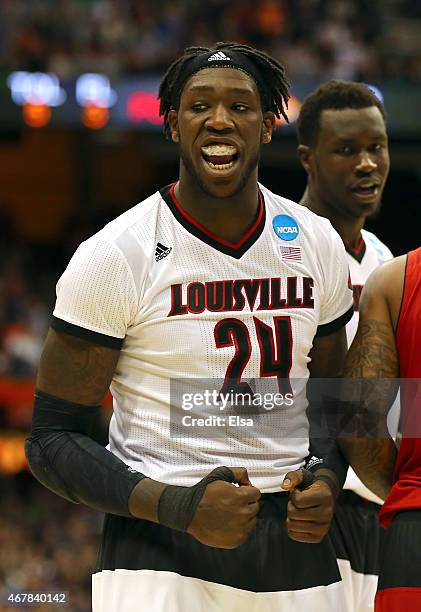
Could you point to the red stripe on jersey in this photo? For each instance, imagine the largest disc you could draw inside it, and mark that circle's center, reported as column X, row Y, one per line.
column 358, row 252
column 203, row 229
column 408, row 335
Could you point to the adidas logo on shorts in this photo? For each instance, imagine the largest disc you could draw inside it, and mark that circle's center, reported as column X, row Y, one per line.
column 161, row 251
column 219, row 57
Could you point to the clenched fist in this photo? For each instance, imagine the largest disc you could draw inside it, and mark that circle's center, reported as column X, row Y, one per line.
column 310, row 511
column 226, row 514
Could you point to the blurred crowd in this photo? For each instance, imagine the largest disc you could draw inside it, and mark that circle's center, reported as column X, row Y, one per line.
column 23, row 315
column 26, row 294
column 348, row 39
column 28, row 276
column 46, row 544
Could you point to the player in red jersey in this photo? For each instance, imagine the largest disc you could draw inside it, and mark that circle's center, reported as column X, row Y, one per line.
column 387, row 347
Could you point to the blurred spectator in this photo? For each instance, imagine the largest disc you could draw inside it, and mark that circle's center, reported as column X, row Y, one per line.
column 42, row 550
column 346, row 39
column 24, row 312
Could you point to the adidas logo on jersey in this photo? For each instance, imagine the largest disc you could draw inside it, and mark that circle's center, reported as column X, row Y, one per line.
column 218, row 57
column 161, row 251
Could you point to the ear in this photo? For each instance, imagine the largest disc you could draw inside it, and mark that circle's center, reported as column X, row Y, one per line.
column 267, row 128
column 173, row 121
column 305, row 155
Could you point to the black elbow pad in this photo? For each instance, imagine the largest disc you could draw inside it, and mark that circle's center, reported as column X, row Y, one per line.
column 64, row 458
column 43, row 470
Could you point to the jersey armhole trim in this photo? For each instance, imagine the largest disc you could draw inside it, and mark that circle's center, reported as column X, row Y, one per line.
column 402, row 299
column 333, row 326
column 86, row 334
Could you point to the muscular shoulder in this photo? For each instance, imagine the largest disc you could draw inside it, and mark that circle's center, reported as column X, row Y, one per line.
column 131, row 222
column 373, row 352
column 126, row 242
column 384, row 288
column 103, row 284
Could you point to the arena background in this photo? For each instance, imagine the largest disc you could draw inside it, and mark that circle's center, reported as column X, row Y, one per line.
column 81, row 141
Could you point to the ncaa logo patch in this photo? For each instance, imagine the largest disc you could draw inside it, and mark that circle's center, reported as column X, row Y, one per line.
column 285, row 227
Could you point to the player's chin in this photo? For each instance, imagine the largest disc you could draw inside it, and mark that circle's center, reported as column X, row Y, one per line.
column 222, row 189
column 374, row 210
column 365, row 207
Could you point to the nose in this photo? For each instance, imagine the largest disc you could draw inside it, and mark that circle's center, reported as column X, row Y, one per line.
column 366, row 164
column 220, row 118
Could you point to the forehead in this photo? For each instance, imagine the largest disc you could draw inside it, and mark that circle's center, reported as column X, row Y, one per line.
column 352, row 123
column 220, row 81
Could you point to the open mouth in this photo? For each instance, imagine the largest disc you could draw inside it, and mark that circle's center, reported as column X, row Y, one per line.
column 368, row 190
column 220, row 156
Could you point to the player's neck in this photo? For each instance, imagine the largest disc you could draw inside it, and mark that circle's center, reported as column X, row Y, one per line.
column 349, row 228
column 228, row 218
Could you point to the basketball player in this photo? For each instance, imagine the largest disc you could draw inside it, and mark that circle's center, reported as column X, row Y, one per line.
column 343, row 147
column 213, row 279
column 387, row 346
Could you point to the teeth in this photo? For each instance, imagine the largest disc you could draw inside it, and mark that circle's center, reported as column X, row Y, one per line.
column 220, row 166
column 366, row 188
column 219, row 150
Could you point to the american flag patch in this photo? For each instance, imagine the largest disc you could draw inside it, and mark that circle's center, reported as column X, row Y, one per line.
column 288, row 252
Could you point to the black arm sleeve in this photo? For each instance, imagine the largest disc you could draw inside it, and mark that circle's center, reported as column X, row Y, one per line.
column 64, row 458
column 322, row 413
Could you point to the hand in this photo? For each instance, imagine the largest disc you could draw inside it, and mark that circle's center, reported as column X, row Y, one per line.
column 309, row 512
column 226, row 514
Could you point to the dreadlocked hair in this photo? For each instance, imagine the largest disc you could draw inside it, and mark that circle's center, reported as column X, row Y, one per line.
column 271, row 71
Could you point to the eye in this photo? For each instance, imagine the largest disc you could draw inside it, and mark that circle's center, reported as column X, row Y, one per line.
column 345, row 150
column 238, row 106
column 376, row 148
column 197, row 107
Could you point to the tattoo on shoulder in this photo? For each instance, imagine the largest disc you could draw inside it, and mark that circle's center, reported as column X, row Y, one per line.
column 373, row 352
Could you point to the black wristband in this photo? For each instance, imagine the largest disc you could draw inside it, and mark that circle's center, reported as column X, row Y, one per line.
column 177, row 505
column 330, row 481
column 337, row 465
column 308, row 478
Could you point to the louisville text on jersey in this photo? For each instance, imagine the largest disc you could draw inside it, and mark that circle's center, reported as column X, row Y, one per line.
column 356, row 294
column 235, row 295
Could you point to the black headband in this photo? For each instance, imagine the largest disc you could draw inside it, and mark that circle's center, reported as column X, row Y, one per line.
column 222, row 59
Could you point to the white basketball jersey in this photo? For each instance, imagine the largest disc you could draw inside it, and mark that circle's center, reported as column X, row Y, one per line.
column 369, row 255
column 183, row 304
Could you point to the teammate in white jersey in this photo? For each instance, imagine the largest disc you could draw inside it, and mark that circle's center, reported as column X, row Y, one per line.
column 344, row 150
column 213, row 281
